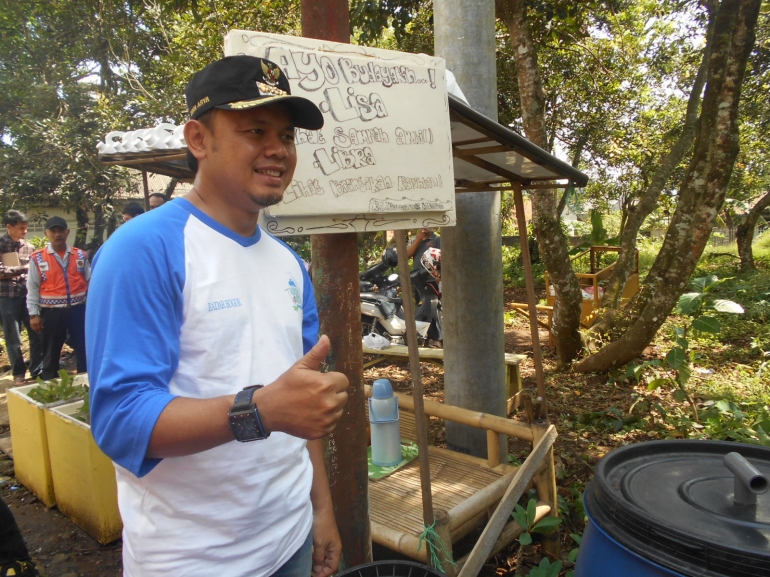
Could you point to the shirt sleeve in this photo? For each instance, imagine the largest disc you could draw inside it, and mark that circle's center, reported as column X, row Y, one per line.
column 310, row 324
column 33, row 290
column 133, row 319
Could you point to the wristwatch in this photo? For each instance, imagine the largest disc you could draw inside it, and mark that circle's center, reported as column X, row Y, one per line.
column 245, row 422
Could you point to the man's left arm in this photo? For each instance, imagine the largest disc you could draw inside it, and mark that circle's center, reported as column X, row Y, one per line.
column 33, row 298
column 327, row 546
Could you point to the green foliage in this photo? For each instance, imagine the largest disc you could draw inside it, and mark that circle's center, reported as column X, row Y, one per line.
column 546, row 569
column 526, row 520
column 513, row 269
column 370, row 18
column 676, row 369
column 37, row 241
column 573, row 554
column 726, row 420
column 610, row 419
column 60, row 96
column 55, row 390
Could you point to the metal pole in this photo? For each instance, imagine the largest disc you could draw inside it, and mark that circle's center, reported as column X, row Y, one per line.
column 335, row 277
column 471, row 259
column 421, row 422
column 537, row 357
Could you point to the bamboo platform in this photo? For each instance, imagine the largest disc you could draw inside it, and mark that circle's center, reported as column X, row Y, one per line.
column 465, row 489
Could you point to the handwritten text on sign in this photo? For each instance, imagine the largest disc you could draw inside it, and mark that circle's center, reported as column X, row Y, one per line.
column 383, row 158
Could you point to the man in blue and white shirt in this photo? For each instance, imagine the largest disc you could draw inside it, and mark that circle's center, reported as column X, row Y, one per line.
column 191, row 308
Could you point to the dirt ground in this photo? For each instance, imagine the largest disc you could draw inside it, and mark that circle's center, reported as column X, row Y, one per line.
column 62, row 549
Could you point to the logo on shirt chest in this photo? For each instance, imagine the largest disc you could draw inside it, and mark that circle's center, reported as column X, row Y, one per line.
column 296, row 298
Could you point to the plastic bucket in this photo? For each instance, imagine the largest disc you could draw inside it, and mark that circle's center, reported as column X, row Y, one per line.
column 391, row 569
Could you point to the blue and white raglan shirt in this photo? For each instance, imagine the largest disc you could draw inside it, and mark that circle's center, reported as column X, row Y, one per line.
column 181, row 306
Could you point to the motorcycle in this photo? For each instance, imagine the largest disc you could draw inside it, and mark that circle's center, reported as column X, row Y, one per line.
column 382, row 312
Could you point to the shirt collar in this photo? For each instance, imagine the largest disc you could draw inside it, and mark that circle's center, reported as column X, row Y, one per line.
column 52, row 251
column 7, row 236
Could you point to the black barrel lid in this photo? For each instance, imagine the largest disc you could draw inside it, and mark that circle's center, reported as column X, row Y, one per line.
column 672, row 502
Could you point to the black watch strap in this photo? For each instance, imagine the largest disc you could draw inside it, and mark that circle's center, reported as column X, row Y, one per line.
column 244, row 418
column 243, row 398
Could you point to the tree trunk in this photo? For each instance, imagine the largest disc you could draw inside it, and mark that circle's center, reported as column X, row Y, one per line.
column 745, row 233
column 703, row 189
column 637, row 213
column 81, row 232
column 553, row 244
column 98, row 237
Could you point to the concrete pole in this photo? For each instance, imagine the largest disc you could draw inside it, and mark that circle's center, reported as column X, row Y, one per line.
column 335, row 278
column 471, row 268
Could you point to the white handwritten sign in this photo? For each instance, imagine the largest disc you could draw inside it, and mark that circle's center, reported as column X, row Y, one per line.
column 383, row 160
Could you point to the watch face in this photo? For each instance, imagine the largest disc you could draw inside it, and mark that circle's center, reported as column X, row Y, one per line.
column 244, row 426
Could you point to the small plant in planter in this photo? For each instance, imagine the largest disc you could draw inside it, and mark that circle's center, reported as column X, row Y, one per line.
column 83, row 414
column 61, row 389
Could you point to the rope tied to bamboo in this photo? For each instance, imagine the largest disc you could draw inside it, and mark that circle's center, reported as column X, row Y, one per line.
column 436, row 545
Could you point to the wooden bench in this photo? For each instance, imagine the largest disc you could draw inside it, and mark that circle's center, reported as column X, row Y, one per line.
column 512, row 371
column 465, row 489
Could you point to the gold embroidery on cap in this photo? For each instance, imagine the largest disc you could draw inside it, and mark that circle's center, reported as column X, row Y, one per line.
column 267, row 89
column 251, row 103
column 200, row 103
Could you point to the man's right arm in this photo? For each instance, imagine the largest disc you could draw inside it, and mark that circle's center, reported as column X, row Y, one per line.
column 302, row 402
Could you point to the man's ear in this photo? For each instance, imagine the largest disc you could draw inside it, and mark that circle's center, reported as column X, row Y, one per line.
column 195, row 134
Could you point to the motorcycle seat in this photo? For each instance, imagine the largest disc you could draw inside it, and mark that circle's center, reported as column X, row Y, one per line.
column 379, row 297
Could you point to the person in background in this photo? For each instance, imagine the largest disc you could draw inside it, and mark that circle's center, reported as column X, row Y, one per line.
column 57, row 285
column 218, row 474
column 156, row 199
column 13, row 296
column 132, row 210
column 14, row 556
column 424, row 239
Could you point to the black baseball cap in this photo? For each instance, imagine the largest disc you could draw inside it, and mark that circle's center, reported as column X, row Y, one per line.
column 244, row 82
column 56, row 221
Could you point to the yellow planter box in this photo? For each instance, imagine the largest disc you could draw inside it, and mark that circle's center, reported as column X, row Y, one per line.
column 30, row 444
column 83, row 476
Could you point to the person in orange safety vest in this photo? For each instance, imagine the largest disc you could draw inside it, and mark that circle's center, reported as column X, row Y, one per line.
column 57, row 285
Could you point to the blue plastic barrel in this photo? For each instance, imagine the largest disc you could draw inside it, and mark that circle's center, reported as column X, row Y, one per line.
column 678, row 509
column 602, row 556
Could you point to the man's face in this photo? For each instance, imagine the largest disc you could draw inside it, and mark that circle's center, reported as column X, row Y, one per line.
column 17, row 231
column 250, row 156
column 156, row 201
column 127, row 217
column 57, row 236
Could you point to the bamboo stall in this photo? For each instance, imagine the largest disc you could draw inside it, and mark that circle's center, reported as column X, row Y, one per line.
column 464, row 488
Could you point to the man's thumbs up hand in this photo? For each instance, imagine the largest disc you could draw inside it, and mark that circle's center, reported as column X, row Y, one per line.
column 315, row 356
column 304, row 402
